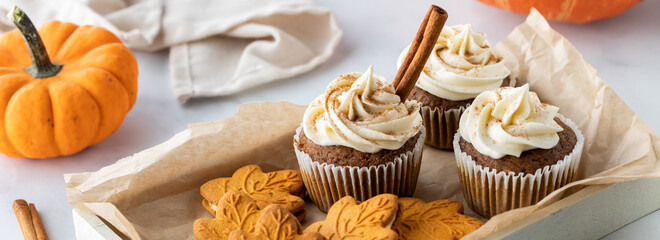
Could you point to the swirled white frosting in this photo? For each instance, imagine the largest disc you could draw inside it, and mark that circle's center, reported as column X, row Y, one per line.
column 461, row 66
column 508, row 121
column 362, row 111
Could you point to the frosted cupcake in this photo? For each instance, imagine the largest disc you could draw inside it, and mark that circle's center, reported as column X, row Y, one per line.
column 512, row 150
column 461, row 66
column 359, row 139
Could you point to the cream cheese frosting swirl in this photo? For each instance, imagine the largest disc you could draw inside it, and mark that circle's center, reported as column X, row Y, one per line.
column 362, row 111
column 508, row 121
column 461, row 66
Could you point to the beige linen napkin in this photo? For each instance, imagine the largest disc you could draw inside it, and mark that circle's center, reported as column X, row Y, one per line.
column 216, row 47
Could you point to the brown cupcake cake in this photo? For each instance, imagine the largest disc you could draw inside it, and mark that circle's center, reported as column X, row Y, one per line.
column 529, row 161
column 461, row 66
column 512, row 150
column 347, row 156
column 359, row 139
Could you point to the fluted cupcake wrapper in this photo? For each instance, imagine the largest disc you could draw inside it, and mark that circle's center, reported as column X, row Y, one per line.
column 327, row 183
column 490, row 192
column 441, row 126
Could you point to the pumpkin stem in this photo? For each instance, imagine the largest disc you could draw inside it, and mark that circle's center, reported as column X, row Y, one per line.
column 41, row 67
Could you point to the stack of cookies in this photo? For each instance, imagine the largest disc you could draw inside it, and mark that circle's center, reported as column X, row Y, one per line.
column 280, row 187
column 253, row 205
column 239, row 215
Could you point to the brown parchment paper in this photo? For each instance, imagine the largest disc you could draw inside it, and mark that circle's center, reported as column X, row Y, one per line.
column 154, row 194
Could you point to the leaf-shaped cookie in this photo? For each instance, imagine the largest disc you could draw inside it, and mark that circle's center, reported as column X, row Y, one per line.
column 369, row 220
column 236, row 210
column 276, row 223
column 441, row 219
column 279, row 187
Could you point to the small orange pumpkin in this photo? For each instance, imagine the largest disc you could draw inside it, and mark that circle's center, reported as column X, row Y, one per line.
column 576, row 11
column 58, row 108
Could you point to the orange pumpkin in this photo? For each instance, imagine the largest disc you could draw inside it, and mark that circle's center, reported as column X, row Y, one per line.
column 576, row 11
column 58, row 108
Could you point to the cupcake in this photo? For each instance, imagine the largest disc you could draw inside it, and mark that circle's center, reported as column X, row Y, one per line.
column 512, row 150
column 461, row 66
column 359, row 139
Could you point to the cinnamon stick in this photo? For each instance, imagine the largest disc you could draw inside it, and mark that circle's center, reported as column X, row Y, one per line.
column 419, row 51
column 39, row 228
column 22, row 211
column 413, row 48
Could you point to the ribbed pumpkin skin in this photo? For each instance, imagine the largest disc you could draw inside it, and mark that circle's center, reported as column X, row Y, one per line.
column 80, row 106
column 576, row 11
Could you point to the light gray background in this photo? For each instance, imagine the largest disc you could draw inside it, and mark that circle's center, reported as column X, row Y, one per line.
column 624, row 50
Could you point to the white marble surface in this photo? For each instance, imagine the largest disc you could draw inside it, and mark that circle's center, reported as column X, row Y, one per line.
column 624, row 50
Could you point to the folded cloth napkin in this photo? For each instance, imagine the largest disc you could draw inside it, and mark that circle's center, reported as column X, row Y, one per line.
column 217, row 47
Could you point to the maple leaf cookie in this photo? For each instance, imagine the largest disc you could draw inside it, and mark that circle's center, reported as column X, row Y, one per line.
column 236, row 211
column 369, row 220
column 283, row 187
column 441, row 219
column 276, row 223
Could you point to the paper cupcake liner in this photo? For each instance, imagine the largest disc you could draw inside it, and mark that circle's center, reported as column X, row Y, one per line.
column 441, row 126
column 327, row 183
column 490, row 192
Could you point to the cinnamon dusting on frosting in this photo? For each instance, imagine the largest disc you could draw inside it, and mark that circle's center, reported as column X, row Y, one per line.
column 362, row 111
column 508, row 121
column 462, row 65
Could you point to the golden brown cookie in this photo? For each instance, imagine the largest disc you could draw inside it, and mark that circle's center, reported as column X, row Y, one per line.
column 276, row 223
column 441, row 219
column 236, row 210
column 300, row 215
column 302, row 193
column 369, row 220
column 279, row 187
